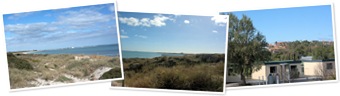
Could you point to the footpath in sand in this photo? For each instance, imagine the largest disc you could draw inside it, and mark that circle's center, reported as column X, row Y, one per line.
column 95, row 75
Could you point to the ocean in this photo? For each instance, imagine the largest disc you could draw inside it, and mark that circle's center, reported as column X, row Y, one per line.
column 140, row 54
column 106, row 50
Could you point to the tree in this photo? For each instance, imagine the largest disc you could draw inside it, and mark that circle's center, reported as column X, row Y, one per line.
column 296, row 49
column 246, row 47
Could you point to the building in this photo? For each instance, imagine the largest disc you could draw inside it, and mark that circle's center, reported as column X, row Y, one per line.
column 290, row 71
column 277, row 46
column 320, row 68
column 285, row 70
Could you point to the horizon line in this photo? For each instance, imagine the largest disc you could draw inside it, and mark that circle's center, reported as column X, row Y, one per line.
column 173, row 52
column 63, row 48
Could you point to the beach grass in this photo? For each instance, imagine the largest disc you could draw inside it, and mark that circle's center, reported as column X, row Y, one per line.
column 55, row 68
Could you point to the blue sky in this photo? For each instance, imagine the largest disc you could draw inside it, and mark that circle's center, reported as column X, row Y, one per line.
column 61, row 28
column 172, row 33
column 290, row 24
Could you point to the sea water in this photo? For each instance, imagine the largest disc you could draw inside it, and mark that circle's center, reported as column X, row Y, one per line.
column 142, row 54
column 106, row 50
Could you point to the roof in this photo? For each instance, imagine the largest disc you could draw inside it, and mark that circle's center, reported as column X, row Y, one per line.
column 281, row 62
column 324, row 60
column 297, row 61
column 306, row 58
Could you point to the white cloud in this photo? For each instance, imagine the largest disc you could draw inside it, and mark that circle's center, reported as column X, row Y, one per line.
column 158, row 21
column 83, row 18
column 145, row 22
column 124, row 36
column 214, row 31
column 220, row 20
column 141, row 36
column 84, row 23
column 30, row 29
column 186, row 21
column 19, row 15
column 129, row 21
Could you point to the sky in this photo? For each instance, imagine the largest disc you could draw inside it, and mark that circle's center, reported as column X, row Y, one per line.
column 290, row 24
column 61, row 28
column 153, row 32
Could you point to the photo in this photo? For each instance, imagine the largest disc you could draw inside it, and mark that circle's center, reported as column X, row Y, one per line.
column 281, row 46
column 171, row 51
column 62, row 46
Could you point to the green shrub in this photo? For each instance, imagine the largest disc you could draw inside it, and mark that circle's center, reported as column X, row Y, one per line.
column 204, row 72
column 64, row 79
column 167, row 79
column 14, row 62
column 113, row 73
column 75, row 64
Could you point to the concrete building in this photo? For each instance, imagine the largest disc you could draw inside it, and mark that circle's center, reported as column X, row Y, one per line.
column 288, row 71
column 324, row 69
column 285, row 70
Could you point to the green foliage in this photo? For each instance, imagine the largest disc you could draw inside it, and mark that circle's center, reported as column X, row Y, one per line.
column 75, row 64
column 64, row 79
column 14, row 62
column 113, row 73
column 202, row 72
column 246, row 47
column 296, row 49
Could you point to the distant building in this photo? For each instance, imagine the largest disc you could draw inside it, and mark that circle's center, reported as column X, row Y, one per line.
column 306, row 58
column 277, row 46
column 283, row 45
column 82, row 57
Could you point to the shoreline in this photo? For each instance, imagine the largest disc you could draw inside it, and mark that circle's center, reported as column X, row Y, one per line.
column 32, row 53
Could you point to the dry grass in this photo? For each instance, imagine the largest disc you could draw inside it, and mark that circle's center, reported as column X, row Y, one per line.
column 19, row 77
column 54, row 67
column 190, row 72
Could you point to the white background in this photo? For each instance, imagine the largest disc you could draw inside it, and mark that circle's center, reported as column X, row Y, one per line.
column 199, row 7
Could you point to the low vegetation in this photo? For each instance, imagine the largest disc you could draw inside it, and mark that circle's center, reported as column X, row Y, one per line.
column 18, row 63
column 28, row 70
column 113, row 73
column 201, row 72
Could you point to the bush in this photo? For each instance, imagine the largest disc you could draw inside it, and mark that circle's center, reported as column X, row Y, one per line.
column 135, row 67
column 18, row 78
column 113, row 73
column 64, row 79
column 205, row 81
column 203, row 72
column 167, row 79
column 14, row 62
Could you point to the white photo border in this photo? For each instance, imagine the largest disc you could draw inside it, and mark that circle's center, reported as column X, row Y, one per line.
column 42, row 8
column 299, row 83
column 184, row 91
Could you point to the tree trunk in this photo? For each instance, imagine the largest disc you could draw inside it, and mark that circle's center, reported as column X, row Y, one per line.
column 123, row 83
column 243, row 78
